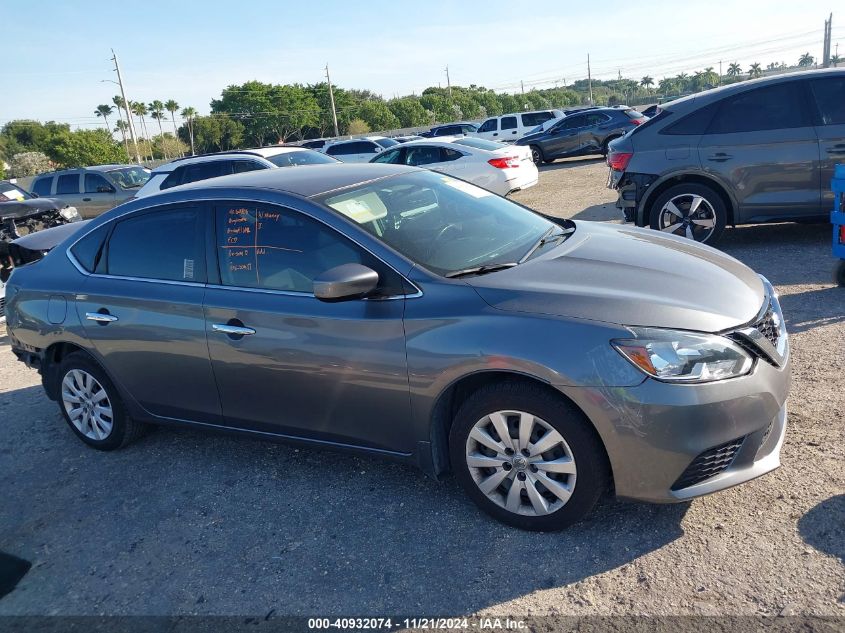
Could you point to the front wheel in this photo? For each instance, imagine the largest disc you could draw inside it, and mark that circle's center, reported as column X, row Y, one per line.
column 536, row 155
column 689, row 210
column 527, row 457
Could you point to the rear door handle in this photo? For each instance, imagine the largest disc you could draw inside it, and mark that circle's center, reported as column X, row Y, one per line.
column 837, row 149
column 232, row 330
column 719, row 157
column 100, row 317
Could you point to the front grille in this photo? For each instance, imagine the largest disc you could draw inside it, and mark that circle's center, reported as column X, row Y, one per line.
column 768, row 326
column 709, row 464
column 2, row 307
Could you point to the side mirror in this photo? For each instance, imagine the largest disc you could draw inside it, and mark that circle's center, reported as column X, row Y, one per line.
column 345, row 282
column 105, row 189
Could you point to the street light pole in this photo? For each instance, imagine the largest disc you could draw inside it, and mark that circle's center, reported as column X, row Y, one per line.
column 331, row 99
column 126, row 105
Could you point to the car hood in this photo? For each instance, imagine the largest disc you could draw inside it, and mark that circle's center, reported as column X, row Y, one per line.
column 24, row 208
column 629, row 276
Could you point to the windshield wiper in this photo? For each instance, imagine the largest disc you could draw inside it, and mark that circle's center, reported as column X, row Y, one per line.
column 481, row 270
column 547, row 238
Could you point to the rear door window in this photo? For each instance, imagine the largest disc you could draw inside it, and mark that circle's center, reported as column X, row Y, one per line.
column 574, row 122
column 242, row 166
column 508, row 122
column 422, row 155
column 87, row 251
column 392, row 156
column 204, row 171
column 43, row 186
column 597, row 118
column 167, row 245
column 67, row 184
column 829, row 96
column 769, row 108
column 533, row 119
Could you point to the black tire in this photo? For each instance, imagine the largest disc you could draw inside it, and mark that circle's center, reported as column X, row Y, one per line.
column 537, row 155
column 711, row 197
column 593, row 476
column 607, row 142
column 123, row 430
column 839, row 273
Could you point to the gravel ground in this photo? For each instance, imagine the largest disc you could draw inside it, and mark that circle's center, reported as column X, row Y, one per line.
column 183, row 522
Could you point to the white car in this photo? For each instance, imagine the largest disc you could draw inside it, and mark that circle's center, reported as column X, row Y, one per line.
column 194, row 168
column 358, row 150
column 496, row 167
column 513, row 126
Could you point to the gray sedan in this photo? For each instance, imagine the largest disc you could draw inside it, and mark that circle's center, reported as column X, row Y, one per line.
column 401, row 313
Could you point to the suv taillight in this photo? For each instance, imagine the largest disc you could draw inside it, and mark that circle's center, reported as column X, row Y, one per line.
column 618, row 161
column 638, row 121
column 504, row 163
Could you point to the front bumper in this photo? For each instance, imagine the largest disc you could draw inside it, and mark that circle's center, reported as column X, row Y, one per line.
column 659, row 434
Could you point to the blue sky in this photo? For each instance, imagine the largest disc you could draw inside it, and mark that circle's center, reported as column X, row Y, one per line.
column 57, row 53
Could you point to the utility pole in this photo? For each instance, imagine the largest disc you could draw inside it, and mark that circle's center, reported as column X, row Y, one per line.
column 331, row 100
column 826, row 46
column 589, row 80
column 448, row 81
column 720, row 72
column 126, row 103
column 522, row 87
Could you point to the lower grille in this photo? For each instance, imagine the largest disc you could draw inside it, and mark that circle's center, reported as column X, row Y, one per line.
column 709, row 464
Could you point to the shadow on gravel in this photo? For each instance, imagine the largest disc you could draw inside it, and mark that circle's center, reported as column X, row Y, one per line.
column 823, row 527
column 208, row 523
column 814, row 308
column 570, row 163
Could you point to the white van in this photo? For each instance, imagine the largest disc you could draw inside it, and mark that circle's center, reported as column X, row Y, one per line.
column 507, row 128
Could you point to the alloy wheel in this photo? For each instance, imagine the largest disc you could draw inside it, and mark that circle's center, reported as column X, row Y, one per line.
column 521, row 463
column 87, row 404
column 688, row 215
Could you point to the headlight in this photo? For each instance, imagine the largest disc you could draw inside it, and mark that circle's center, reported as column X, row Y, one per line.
column 70, row 214
column 676, row 356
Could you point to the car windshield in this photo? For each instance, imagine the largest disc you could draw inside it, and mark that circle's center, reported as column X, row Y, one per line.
column 479, row 143
column 10, row 192
column 130, row 177
column 306, row 157
column 386, row 142
column 441, row 223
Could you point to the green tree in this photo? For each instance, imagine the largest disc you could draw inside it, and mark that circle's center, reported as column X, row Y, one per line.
column 835, row 59
column 139, row 109
column 26, row 164
column 30, row 136
column 755, row 71
column 647, row 82
column 734, row 70
column 84, row 148
column 357, row 126
column 377, row 115
column 214, row 133
column 409, row 112
column 122, row 127
column 806, row 60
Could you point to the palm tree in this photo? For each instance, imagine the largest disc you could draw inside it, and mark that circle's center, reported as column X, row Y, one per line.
column 189, row 113
column 139, row 110
column 734, row 70
column 171, row 106
column 157, row 112
column 121, row 127
column 647, row 82
column 806, row 60
column 835, row 59
column 755, row 71
column 104, row 110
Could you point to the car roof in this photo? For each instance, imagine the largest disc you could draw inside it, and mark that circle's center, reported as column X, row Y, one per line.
column 437, row 127
column 713, row 94
column 203, row 158
column 275, row 150
column 309, row 182
column 98, row 168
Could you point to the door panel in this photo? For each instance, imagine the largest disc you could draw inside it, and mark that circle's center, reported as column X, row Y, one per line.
column 327, row 371
column 156, row 349
column 828, row 96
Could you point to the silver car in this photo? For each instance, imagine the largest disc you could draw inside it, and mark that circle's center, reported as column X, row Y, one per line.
column 402, row 313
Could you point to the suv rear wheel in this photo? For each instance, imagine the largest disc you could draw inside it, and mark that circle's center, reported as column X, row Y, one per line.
column 689, row 210
column 527, row 457
column 607, row 142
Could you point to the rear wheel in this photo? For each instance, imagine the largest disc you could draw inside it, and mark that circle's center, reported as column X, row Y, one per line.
column 91, row 405
column 605, row 146
column 537, row 155
column 689, row 210
column 527, row 457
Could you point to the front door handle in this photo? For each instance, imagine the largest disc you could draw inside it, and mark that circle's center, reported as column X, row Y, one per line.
column 719, row 157
column 100, row 317
column 86, row 199
column 232, row 330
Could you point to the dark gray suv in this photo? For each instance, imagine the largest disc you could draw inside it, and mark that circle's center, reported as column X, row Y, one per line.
column 581, row 133
column 756, row 151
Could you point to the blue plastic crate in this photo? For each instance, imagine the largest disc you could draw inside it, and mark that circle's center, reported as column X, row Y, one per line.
column 837, row 216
